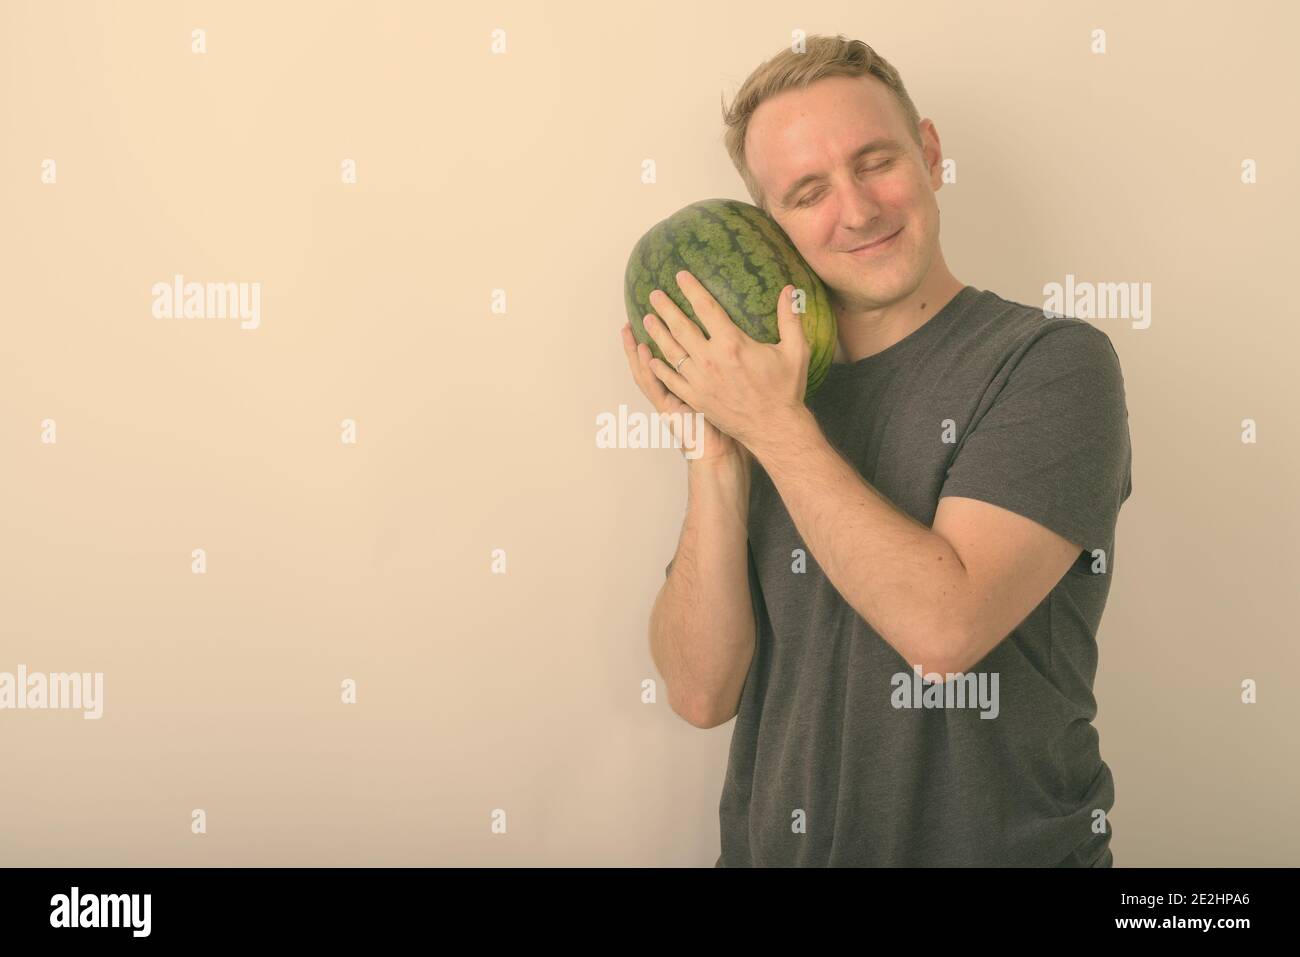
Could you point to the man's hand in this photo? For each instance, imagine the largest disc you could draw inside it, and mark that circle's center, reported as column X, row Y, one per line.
column 749, row 390
column 706, row 445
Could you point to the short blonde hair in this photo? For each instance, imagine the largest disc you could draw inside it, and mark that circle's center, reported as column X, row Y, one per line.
column 824, row 56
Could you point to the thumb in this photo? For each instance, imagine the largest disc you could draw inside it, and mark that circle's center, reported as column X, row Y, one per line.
column 789, row 324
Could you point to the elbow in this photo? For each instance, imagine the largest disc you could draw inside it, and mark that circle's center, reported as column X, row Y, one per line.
column 701, row 715
column 942, row 654
column 708, row 723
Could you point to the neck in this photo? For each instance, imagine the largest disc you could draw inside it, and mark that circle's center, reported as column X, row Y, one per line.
column 865, row 330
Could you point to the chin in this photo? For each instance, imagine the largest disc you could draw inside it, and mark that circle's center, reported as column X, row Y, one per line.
column 877, row 285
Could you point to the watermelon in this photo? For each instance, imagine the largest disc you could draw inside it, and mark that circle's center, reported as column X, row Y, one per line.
column 744, row 259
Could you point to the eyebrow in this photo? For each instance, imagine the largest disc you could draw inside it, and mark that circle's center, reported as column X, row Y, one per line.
column 883, row 144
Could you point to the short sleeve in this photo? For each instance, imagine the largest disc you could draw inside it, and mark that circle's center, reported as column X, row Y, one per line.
column 1050, row 441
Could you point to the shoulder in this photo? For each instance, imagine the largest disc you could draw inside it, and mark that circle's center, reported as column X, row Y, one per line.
column 1020, row 334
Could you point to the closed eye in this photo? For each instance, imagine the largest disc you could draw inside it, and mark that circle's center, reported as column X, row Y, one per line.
column 816, row 194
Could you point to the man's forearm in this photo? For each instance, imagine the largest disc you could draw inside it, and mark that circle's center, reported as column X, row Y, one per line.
column 905, row 580
column 702, row 623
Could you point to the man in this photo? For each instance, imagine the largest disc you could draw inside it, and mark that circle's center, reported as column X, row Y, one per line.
column 910, row 650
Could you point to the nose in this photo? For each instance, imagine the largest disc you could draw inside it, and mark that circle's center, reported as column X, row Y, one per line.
column 858, row 209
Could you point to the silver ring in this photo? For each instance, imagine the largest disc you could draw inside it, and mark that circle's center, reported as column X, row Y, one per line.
column 678, row 367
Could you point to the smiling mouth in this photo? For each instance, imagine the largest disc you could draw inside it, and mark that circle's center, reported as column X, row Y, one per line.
column 878, row 242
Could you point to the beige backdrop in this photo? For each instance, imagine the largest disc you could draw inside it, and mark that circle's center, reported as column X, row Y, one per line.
column 373, row 561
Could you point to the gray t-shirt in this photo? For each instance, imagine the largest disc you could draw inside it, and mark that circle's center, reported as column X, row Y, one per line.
column 835, row 758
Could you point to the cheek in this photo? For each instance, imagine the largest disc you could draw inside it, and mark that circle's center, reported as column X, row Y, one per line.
column 920, row 200
column 902, row 197
column 814, row 240
column 902, row 192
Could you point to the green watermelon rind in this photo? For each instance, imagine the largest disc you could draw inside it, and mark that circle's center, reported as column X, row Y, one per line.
column 743, row 258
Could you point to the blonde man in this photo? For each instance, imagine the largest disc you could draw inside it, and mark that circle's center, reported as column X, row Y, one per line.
column 895, row 588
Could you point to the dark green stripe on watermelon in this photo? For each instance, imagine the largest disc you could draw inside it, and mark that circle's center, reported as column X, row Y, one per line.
column 743, row 258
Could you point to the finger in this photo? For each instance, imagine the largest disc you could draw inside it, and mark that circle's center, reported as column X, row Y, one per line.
column 630, row 350
column 677, row 383
column 688, row 335
column 666, row 400
column 638, row 356
column 707, row 310
column 668, row 345
column 671, row 402
column 789, row 324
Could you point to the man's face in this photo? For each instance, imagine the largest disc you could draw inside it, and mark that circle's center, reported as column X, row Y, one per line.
column 858, row 198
